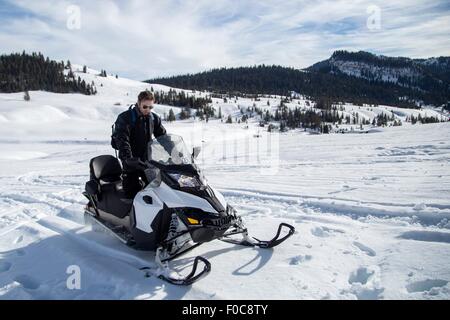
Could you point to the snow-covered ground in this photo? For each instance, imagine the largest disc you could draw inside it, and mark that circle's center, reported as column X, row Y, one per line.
column 372, row 211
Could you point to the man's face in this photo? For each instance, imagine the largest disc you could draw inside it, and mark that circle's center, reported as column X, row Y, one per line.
column 145, row 106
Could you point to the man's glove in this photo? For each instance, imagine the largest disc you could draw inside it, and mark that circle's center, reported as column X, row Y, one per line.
column 134, row 164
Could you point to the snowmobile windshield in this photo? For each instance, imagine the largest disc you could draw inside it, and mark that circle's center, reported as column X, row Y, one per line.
column 169, row 149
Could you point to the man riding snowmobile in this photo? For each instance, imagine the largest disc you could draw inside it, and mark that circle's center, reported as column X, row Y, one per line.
column 174, row 210
column 132, row 132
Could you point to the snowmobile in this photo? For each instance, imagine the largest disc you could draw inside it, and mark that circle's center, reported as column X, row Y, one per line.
column 175, row 211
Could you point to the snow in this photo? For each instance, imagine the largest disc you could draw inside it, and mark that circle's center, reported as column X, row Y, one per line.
column 371, row 211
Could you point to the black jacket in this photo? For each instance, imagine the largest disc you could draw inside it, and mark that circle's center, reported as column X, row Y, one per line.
column 131, row 137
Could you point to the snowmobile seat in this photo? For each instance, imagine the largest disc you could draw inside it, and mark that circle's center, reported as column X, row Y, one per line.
column 106, row 171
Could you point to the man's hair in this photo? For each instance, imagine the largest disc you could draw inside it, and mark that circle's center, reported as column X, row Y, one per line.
column 145, row 95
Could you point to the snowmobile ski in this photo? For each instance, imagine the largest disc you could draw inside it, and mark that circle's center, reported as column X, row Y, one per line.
column 254, row 242
column 165, row 272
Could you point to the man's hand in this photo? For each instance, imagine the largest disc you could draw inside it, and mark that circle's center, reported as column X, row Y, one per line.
column 133, row 164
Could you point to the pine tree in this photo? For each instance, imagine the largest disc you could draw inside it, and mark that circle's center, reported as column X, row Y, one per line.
column 171, row 116
column 200, row 114
column 185, row 113
column 26, row 96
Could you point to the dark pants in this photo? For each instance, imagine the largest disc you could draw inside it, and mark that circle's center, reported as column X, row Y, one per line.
column 132, row 184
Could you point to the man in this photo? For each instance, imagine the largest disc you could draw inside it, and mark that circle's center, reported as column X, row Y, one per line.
column 133, row 130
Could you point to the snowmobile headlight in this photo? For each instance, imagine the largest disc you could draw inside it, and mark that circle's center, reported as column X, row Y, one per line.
column 193, row 221
column 185, row 181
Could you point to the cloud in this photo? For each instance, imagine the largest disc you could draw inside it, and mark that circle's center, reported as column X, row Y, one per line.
column 145, row 39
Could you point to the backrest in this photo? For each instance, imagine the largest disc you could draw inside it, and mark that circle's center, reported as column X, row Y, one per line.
column 106, row 168
column 113, row 128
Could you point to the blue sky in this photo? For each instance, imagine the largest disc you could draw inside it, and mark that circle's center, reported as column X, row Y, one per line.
column 144, row 39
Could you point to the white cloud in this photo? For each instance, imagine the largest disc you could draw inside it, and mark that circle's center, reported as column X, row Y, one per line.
column 142, row 39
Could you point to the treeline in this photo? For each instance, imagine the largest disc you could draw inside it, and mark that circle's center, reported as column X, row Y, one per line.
column 281, row 81
column 203, row 113
column 291, row 119
column 367, row 57
column 320, row 120
column 181, row 99
column 325, row 119
column 202, row 105
column 24, row 72
column 422, row 120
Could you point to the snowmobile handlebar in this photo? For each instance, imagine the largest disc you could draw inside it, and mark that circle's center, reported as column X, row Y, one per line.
column 135, row 163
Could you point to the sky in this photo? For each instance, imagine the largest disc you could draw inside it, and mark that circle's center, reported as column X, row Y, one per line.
column 147, row 39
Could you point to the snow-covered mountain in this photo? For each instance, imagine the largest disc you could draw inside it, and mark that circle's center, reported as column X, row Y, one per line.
column 358, row 77
column 378, row 73
column 421, row 74
column 371, row 210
